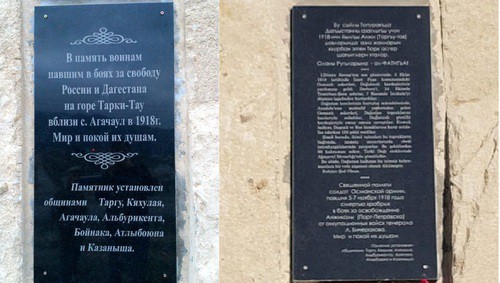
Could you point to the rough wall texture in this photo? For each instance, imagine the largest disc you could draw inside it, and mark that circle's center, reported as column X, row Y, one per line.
column 10, row 140
column 201, row 30
column 255, row 138
column 255, row 135
column 196, row 137
column 255, row 130
column 470, row 35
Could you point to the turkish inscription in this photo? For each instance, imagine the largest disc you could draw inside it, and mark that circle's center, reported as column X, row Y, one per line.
column 104, row 144
column 363, row 173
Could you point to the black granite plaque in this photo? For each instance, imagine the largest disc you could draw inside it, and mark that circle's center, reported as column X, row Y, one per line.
column 363, row 172
column 104, row 144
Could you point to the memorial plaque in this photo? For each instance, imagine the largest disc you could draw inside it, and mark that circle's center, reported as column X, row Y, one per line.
column 362, row 145
column 104, row 144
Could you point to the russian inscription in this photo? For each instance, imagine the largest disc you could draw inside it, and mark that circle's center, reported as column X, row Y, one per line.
column 363, row 176
column 104, row 144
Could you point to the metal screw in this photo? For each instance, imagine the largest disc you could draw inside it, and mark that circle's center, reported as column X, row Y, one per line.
column 418, row 16
column 164, row 275
column 305, row 267
column 304, row 16
column 162, row 13
column 425, row 266
column 45, row 16
column 45, row 273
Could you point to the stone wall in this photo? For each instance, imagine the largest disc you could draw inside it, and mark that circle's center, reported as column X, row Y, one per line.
column 11, row 139
column 196, row 126
column 255, row 138
column 470, row 44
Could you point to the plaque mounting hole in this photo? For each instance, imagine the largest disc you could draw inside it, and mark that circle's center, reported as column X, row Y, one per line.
column 305, row 267
column 304, row 16
column 419, row 16
column 45, row 273
column 164, row 275
column 162, row 13
column 425, row 266
column 45, row 16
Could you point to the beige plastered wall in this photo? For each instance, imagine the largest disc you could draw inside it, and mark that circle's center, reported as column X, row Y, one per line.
column 196, row 127
column 255, row 138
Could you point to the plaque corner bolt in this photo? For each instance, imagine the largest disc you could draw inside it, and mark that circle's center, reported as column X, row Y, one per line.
column 45, row 16
column 304, row 16
column 419, row 16
column 162, row 13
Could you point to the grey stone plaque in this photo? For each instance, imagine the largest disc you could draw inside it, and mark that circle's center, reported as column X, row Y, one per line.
column 363, row 203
